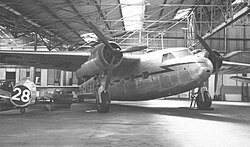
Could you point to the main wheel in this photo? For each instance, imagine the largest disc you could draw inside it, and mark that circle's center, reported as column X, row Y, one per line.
column 103, row 101
column 204, row 100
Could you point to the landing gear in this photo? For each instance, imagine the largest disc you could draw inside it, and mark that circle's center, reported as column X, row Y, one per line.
column 102, row 100
column 22, row 110
column 202, row 98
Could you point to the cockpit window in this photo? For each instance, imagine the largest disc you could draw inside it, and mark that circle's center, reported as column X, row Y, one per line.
column 167, row 57
column 182, row 53
column 176, row 54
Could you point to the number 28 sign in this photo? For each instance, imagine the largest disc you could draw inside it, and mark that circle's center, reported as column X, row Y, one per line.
column 20, row 96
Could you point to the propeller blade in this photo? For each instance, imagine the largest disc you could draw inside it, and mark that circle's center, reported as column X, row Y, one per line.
column 99, row 34
column 205, row 45
column 134, row 49
column 109, row 74
column 215, row 82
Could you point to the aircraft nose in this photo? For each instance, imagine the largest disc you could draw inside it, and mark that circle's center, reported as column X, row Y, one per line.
column 205, row 67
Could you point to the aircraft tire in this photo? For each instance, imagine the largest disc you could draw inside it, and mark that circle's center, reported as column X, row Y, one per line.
column 22, row 110
column 103, row 105
column 204, row 104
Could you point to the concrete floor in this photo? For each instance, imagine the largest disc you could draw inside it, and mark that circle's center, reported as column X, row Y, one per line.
column 149, row 123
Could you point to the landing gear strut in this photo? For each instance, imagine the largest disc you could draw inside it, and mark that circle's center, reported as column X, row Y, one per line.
column 103, row 100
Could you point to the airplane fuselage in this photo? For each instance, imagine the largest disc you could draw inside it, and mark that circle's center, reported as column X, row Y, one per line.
column 157, row 74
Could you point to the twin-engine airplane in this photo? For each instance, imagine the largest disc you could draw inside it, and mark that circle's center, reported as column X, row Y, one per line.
column 108, row 73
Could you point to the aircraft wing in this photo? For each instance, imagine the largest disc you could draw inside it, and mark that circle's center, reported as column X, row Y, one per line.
column 69, row 61
column 241, row 79
column 4, row 94
column 229, row 67
column 236, row 62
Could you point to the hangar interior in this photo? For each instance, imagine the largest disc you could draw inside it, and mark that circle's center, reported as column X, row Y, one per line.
column 61, row 25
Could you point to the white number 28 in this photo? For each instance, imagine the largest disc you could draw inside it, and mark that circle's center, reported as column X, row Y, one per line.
column 23, row 96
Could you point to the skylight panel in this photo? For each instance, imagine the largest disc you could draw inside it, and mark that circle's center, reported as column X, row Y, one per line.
column 89, row 37
column 237, row 2
column 133, row 13
column 182, row 14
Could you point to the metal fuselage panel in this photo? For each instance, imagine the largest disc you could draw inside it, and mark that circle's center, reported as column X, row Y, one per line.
column 151, row 77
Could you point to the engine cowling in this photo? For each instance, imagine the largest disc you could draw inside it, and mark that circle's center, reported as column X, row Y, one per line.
column 99, row 61
column 216, row 61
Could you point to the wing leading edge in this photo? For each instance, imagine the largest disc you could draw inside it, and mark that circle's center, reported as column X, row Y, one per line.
column 229, row 67
column 69, row 61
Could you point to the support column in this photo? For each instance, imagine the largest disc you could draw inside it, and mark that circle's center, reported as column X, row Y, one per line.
column 68, row 78
column 2, row 73
column 32, row 74
column 18, row 78
column 244, row 90
column 44, row 77
column 63, row 78
column 33, row 69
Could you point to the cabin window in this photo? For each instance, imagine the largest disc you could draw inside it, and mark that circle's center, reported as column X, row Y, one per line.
column 167, row 57
column 126, row 78
column 182, row 53
column 145, row 75
column 116, row 81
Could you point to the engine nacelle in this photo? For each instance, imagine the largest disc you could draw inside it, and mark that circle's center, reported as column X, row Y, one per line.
column 100, row 58
column 24, row 93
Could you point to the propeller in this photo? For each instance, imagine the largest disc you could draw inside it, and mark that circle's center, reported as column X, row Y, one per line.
column 215, row 58
column 206, row 47
column 104, row 40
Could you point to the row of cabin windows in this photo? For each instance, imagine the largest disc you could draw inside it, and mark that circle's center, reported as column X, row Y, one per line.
column 145, row 75
column 131, row 78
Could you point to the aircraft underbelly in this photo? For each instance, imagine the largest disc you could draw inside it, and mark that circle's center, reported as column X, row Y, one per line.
column 155, row 86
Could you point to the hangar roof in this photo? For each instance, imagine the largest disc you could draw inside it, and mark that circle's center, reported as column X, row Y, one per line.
column 65, row 21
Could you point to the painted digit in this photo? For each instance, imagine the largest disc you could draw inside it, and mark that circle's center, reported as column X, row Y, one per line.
column 25, row 96
column 16, row 96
